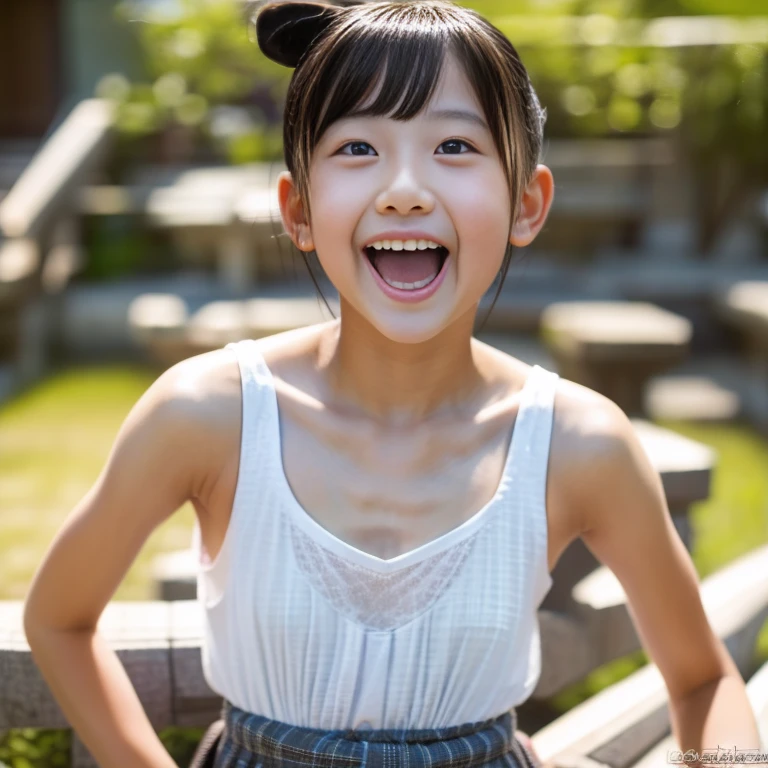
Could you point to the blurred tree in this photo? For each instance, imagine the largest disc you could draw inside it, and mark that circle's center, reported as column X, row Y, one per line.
column 209, row 79
column 603, row 72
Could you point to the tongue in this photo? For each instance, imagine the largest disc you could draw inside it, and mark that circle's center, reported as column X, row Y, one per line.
column 407, row 266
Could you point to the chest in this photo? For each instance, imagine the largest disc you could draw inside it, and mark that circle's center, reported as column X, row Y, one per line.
column 389, row 493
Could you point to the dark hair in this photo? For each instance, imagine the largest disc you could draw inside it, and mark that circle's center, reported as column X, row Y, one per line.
column 341, row 52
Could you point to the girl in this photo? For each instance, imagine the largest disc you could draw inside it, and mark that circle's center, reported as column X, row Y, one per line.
column 381, row 498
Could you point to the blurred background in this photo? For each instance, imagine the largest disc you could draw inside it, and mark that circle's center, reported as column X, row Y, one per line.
column 139, row 147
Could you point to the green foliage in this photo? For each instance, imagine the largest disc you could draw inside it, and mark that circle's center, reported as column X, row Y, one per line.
column 610, row 69
column 600, row 678
column 35, row 748
column 116, row 248
column 181, row 743
column 49, row 748
column 598, row 64
column 199, row 60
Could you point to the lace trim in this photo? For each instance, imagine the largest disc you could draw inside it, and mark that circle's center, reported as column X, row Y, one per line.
column 380, row 601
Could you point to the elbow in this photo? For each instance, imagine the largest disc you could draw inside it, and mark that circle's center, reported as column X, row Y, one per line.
column 32, row 621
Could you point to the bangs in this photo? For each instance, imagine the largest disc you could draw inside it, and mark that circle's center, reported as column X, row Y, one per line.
column 404, row 64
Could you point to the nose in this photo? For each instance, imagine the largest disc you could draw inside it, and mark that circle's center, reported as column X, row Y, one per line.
column 405, row 193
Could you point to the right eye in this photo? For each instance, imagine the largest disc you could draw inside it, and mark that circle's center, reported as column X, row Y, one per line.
column 355, row 144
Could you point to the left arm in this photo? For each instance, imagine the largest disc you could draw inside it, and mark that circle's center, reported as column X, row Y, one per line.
column 628, row 527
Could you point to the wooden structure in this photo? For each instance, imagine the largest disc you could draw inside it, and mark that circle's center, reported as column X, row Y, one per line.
column 30, row 49
column 39, row 241
column 607, row 190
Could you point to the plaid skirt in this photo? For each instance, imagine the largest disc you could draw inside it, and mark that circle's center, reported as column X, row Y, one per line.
column 248, row 740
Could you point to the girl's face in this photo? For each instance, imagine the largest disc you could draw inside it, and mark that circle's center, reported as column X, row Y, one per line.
column 438, row 173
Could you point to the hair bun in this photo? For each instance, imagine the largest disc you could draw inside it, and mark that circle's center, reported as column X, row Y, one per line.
column 285, row 29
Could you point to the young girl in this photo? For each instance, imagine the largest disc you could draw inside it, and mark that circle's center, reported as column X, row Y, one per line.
column 381, row 498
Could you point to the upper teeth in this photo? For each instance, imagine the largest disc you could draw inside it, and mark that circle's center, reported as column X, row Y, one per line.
column 404, row 245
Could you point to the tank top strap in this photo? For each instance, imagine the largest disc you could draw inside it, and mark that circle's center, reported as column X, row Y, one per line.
column 255, row 422
column 533, row 427
column 532, row 440
column 256, row 393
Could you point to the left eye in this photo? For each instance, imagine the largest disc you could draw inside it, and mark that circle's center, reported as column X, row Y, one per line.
column 454, row 142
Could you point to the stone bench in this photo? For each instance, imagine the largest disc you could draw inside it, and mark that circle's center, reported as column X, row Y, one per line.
column 692, row 398
column 614, row 347
column 159, row 645
column 31, row 280
column 744, row 306
column 198, row 207
column 174, row 575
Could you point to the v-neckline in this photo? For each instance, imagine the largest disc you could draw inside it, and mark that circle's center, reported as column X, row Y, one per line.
column 349, row 552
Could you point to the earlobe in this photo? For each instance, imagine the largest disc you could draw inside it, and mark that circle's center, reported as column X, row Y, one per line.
column 534, row 207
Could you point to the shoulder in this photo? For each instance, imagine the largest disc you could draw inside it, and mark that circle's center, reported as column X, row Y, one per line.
column 595, row 449
column 203, row 389
column 195, row 409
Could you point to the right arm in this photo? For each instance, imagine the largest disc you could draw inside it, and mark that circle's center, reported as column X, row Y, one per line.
column 161, row 457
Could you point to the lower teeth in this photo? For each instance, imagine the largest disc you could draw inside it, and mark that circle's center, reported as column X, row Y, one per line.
column 410, row 286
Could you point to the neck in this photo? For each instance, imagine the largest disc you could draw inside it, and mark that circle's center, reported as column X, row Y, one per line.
column 400, row 385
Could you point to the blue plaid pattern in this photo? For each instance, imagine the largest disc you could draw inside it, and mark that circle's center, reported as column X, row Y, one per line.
column 255, row 741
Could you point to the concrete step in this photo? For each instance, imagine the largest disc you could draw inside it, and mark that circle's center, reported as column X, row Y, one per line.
column 691, row 398
column 710, row 388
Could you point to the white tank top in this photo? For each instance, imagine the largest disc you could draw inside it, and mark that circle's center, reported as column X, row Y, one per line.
column 304, row 628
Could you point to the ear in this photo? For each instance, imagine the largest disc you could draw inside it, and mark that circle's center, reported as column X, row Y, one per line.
column 534, row 207
column 293, row 213
column 286, row 29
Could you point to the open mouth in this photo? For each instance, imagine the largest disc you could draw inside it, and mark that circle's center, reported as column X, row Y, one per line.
column 371, row 253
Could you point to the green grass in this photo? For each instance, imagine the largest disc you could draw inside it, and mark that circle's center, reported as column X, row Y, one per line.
column 54, row 442
column 734, row 519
